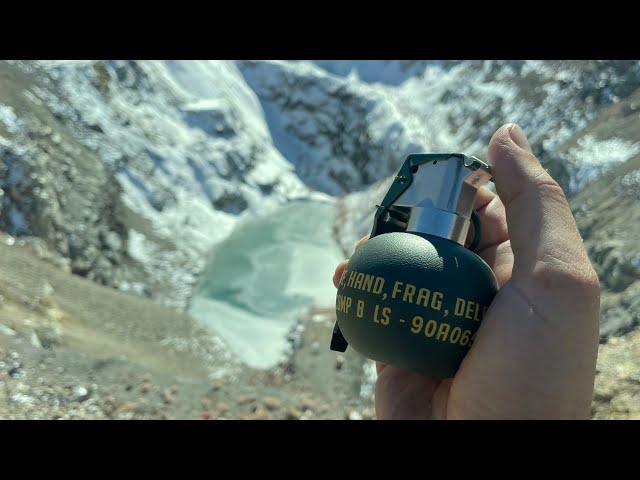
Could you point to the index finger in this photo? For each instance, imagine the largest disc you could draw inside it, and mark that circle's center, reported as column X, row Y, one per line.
column 337, row 275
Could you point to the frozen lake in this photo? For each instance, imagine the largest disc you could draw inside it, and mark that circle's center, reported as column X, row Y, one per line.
column 264, row 275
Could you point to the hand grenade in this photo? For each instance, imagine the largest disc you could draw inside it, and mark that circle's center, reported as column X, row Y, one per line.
column 413, row 296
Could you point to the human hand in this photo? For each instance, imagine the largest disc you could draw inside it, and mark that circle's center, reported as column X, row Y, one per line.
column 534, row 355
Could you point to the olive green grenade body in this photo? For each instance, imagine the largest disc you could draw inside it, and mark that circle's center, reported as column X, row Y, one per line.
column 413, row 296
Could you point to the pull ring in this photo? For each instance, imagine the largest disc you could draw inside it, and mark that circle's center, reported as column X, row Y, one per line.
column 477, row 231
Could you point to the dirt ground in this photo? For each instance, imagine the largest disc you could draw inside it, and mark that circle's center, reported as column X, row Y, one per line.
column 70, row 348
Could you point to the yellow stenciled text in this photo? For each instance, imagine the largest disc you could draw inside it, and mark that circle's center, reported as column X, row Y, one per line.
column 381, row 315
column 343, row 303
column 419, row 296
column 440, row 331
column 468, row 309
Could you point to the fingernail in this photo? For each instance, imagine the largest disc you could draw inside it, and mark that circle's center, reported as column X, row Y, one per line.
column 519, row 137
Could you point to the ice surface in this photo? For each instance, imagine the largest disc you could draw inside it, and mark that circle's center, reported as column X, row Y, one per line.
column 264, row 274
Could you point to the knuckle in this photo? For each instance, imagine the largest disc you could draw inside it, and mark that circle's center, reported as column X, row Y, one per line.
column 549, row 189
column 550, row 186
column 545, row 182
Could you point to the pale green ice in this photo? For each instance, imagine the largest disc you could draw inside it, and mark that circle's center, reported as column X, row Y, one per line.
column 264, row 275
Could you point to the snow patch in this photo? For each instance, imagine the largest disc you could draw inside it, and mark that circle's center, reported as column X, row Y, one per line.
column 9, row 119
column 593, row 157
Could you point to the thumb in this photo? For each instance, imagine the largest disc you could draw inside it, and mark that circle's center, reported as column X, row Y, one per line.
column 544, row 235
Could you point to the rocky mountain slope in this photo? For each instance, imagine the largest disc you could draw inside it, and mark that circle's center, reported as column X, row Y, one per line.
column 593, row 151
column 151, row 163
column 128, row 173
column 70, row 348
column 608, row 215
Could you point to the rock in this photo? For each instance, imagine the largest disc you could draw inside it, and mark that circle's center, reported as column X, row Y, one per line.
column 617, row 385
column 293, row 413
column 242, row 399
column 230, row 202
column 6, row 330
column 46, row 290
column 81, row 393
column 49, row 335
column 112, row 241
column 126, row 410
column 95, row 127
column 15, row 371
column 353, row 415
column 368, row 414
column 271, row 403
column 216, row 386
column 213, row 122
column 34, row 340
column 308, row 404
column 260, row 413
column 318, row 318
column 618, row 320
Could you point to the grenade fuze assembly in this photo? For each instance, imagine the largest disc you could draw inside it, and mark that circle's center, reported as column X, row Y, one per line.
column 413, row 296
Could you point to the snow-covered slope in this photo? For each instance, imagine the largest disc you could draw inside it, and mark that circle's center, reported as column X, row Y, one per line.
column 187, row 134
column 195, row 146
column 188, row 144
column 347, row 127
